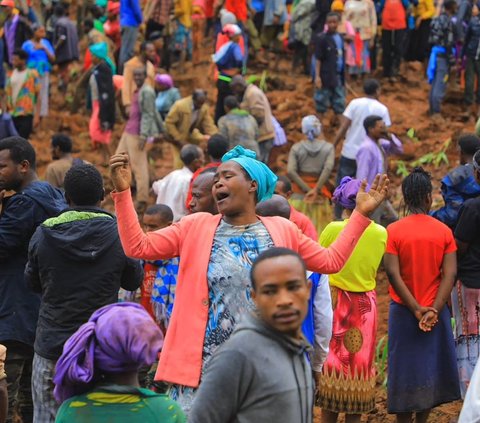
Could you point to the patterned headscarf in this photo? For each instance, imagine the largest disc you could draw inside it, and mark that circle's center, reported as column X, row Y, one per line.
column 117, row 338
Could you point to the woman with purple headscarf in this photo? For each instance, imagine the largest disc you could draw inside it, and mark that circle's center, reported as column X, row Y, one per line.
column 167, row 94
column 347, row 382
column 97, row 374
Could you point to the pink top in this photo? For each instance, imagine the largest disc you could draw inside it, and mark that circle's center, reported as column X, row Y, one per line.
column 191, row 238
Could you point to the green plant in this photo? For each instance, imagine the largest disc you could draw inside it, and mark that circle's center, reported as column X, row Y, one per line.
column 411, row 133
column 252, row 79
column 381, row 357
column 401, row 168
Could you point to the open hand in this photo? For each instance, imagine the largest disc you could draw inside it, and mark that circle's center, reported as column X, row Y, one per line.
column 367, row 202
column 120, row 171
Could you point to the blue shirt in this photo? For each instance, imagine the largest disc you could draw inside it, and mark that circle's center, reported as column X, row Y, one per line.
column 166, row 99
column 38, row 59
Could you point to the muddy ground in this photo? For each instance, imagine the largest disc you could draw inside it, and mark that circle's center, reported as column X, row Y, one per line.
column 291, row 97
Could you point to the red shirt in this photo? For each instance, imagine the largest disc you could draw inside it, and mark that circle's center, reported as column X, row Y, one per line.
column 394, row 16
column 112, row 29
column 420, row 242
column 303, row 223
column 238, row 8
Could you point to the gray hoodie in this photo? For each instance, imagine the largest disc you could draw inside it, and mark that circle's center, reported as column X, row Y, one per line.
column 258, row 375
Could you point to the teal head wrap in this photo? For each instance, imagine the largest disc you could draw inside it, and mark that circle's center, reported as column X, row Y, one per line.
column 100, row 50
column 258, row 171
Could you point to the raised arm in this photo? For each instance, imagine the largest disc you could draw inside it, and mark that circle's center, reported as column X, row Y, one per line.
column 332, row 259
column 162, row 244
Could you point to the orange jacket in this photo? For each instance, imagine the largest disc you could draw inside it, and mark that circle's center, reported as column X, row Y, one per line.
column 191, row 238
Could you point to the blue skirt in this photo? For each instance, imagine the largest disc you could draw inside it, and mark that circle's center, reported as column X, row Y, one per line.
column 422, row 366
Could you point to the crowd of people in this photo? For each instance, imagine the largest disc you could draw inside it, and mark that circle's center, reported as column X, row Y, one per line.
column 222, row 291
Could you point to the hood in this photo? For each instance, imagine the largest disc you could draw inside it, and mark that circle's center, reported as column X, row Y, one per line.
column 50, row 199
column 88, row 233
column 312, row 147
column 253, row 323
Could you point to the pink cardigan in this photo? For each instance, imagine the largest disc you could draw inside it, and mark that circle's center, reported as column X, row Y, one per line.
column 192, row 238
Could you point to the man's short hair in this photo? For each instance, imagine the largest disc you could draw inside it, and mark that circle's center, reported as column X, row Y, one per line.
column 231, row 102
column 469, row 144
column 198, row 92
column 273, row 253
column 287, row 184
column 84, row 185
column 333, row 15
column 371, row 86
column 370, row 122
column 22, row 54
column 275, row 206
column 62, row 141
column 238, row 80
column 162, row 210
column 20, row 150
column 217, row 146
column 189, row 153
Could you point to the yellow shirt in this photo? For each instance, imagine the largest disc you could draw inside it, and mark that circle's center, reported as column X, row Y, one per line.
column 358, row 274
column 425, row 9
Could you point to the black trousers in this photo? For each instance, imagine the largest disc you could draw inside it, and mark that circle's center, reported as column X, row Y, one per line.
column 23, row 125
column 392, row 50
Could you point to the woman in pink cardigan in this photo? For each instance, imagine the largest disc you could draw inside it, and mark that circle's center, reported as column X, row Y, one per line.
column 213, row 288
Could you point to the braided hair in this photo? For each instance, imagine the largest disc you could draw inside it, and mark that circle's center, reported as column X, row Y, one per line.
column 416, row 188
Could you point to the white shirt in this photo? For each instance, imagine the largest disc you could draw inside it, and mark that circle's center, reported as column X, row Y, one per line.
column 17, row 80
column 322, row 321
column 357, row 111
column 471, row 405
column 172, row 191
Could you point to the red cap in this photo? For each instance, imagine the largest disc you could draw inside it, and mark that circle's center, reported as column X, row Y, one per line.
column 8, row 3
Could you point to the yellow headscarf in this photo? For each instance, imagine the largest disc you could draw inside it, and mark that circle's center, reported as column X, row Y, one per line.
column 337, row 6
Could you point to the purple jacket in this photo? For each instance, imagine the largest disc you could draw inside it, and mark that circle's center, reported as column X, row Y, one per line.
column 371, row 157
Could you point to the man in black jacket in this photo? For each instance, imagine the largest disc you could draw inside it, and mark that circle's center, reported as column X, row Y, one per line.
column 33, row 202
column 77, row 261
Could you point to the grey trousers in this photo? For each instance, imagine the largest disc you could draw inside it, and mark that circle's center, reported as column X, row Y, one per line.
column 127, row 50
column 265, row 148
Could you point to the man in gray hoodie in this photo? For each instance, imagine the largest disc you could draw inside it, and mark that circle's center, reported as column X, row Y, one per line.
column 262, row 374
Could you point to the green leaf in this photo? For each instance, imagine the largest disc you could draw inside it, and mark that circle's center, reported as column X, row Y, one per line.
column 402, row 168
column 411, row 133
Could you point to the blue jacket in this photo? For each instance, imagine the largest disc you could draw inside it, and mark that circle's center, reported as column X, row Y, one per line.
column 130, row 13
column 457, row 187
column 21, row 214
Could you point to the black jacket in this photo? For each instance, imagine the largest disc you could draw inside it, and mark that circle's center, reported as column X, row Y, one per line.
column 77, row 262
column 21, row 214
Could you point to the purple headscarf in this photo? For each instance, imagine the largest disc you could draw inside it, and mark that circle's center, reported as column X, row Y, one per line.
column 346, row 193
column 164, row 79
column 117, row 338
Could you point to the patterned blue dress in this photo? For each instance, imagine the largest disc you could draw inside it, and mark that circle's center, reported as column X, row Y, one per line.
column 234, row 250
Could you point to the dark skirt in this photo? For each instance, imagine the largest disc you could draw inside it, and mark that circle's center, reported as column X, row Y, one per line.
column 418, row 47
column 422, row 366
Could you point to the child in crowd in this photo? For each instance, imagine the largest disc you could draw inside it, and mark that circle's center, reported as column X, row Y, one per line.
column 421, row 265
column 329, row 78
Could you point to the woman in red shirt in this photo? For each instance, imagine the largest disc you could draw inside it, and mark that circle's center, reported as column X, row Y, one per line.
column 421, row 263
